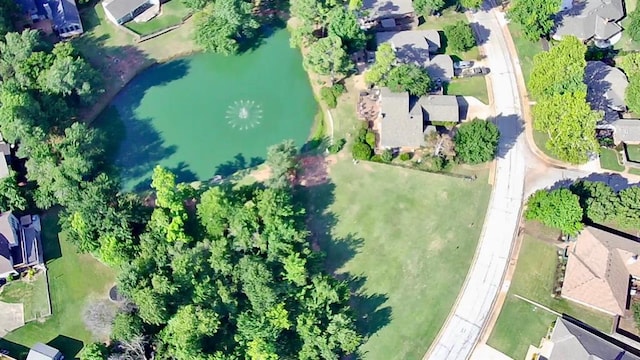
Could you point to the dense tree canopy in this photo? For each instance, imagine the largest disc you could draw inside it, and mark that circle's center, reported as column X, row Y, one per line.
column 385, row 58
column 535, row 17
column 427, row 7
column 343, row 23
column 408, row 77
column 558, row 209
column 222, row 26
column 470, row 4
column 247, row 286
column 570, row 125
column 327, row 57
column 559, row 70
column 460, row 36
column 602, row 205
column 477, row 141
column 282, row 162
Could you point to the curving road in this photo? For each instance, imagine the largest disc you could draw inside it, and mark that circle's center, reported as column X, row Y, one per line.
column 461, row 331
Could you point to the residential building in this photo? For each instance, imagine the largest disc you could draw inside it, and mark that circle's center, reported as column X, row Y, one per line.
column 404, row 119
column 40, row 351
column 20, row 243
column 122, row 11
column 419, row 47
column 626, row 131
column 596, row 20
column 606, row 86
column 573, row 340
column 599, row 270
column 61, row 16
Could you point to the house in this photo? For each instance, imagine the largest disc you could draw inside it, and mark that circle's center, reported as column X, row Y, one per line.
column 606, row 86
column 571, row 339
column 596, row 20
column 387, row 10
column 404, row 119
column 599, row 269
column 62, row 15
column 419, row 47
column 20, row 243
column 122, row 11
column 626, row 131
column 40, row 351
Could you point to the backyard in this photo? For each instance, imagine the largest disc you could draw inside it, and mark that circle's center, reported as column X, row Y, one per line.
column 633, row 152
column 471, row 86
column 521, row 324
column 423, row 227
column 609, row 160
column 73, row 279
column 32, row 293
column 172, row 14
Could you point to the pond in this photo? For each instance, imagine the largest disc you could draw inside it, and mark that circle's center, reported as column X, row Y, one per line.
column 210, row 115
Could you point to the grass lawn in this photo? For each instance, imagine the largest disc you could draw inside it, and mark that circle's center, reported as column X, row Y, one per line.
column 525, row 48
column 634, row 171
column 33, row 294
column 172, row 13
column 448, row 17
column 73, row 279
column 533, row 279
column 406, row 239
column 633, row 152
column 609, row 160
column 540, row 139
column 471, row 86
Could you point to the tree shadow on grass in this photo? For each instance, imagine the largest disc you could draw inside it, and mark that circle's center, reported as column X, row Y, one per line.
column 50, row 230
column 15, row 350
column 369, row 309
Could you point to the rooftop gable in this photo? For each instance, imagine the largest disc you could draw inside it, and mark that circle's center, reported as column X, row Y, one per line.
column 590, row 18
column 399, row 127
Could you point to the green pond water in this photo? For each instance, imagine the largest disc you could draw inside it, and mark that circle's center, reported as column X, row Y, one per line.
column 209, row 114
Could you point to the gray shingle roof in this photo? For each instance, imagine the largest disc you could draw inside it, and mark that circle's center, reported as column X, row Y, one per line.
column 417, row 47
column 606, row 86
column 591, row 18
column 626, row 130
column 419, row 40
column 440, row 108
column 399, row 127
column 573, row 342
column 121, row 8
column 387, row 8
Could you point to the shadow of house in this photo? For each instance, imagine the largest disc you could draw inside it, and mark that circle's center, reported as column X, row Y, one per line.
column 69, row 347
column 606, row 86
column 596, row 20
column 420, row 47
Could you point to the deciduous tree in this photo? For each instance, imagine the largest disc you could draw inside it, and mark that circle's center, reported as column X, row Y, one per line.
column 460, row 36
column 477, row 141
column 470, row 4
column 558, row 208
column 536, row 17
column 408, row 77
column 428, row 7
column 282, row 161
column 385, row 58
column 327, row 57
column 559, row 70
column 343, row 23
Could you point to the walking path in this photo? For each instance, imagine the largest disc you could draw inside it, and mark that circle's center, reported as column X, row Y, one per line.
column 461, row 331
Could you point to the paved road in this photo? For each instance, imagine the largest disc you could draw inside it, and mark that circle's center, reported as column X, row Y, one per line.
column 461, row 332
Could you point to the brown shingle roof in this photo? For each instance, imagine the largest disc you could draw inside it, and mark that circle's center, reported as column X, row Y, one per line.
column 597, row 271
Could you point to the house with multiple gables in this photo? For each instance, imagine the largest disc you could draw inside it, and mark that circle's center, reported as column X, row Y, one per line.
column 52, row 16
column 20, row 244
column 597, row 20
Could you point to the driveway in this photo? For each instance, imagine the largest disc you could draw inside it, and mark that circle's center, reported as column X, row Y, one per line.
column 11, row 317
column 461, row 331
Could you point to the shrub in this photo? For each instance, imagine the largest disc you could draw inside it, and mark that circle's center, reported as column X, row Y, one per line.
column 331, row 94
column 362, row 134
column 460, row 36
column 370, row 138
column 361, row 151
column 376, row 158
column 94, row 351
column 405, row 156
column 386, row 156
column 337, row 146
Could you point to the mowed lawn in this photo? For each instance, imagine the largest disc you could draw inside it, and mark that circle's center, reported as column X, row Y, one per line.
column 526, row 50
column 32, row 293
column 172, row 14
column 609, row 160
column 521, row 324
column 73, row 279
column 471, row 86
column 406, row 239
column 633, row 152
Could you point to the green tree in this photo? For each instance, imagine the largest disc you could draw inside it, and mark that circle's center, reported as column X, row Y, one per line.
column 220, row 27
column 633, row 25
column 327, row 57
column 428, row 7
column 460, row 36
column 470, row 4
column 629, row 63
column 570, row 124
column 94, row 351
column 385, row 58
column 632, row 93
column 281, row 159
column 559, row 209
column 186, row 329
column 196, row 4
column 126, row 326
column 343, row 23
column 408, row 77
column 361, row 151
column 477, row 141
column 628, row 214
column 11, row 195
column 599, row 201
column 536, row 17
column 16, row 48
column 559, row 70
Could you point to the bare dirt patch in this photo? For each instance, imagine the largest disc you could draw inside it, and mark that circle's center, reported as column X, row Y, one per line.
column 11, row 317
